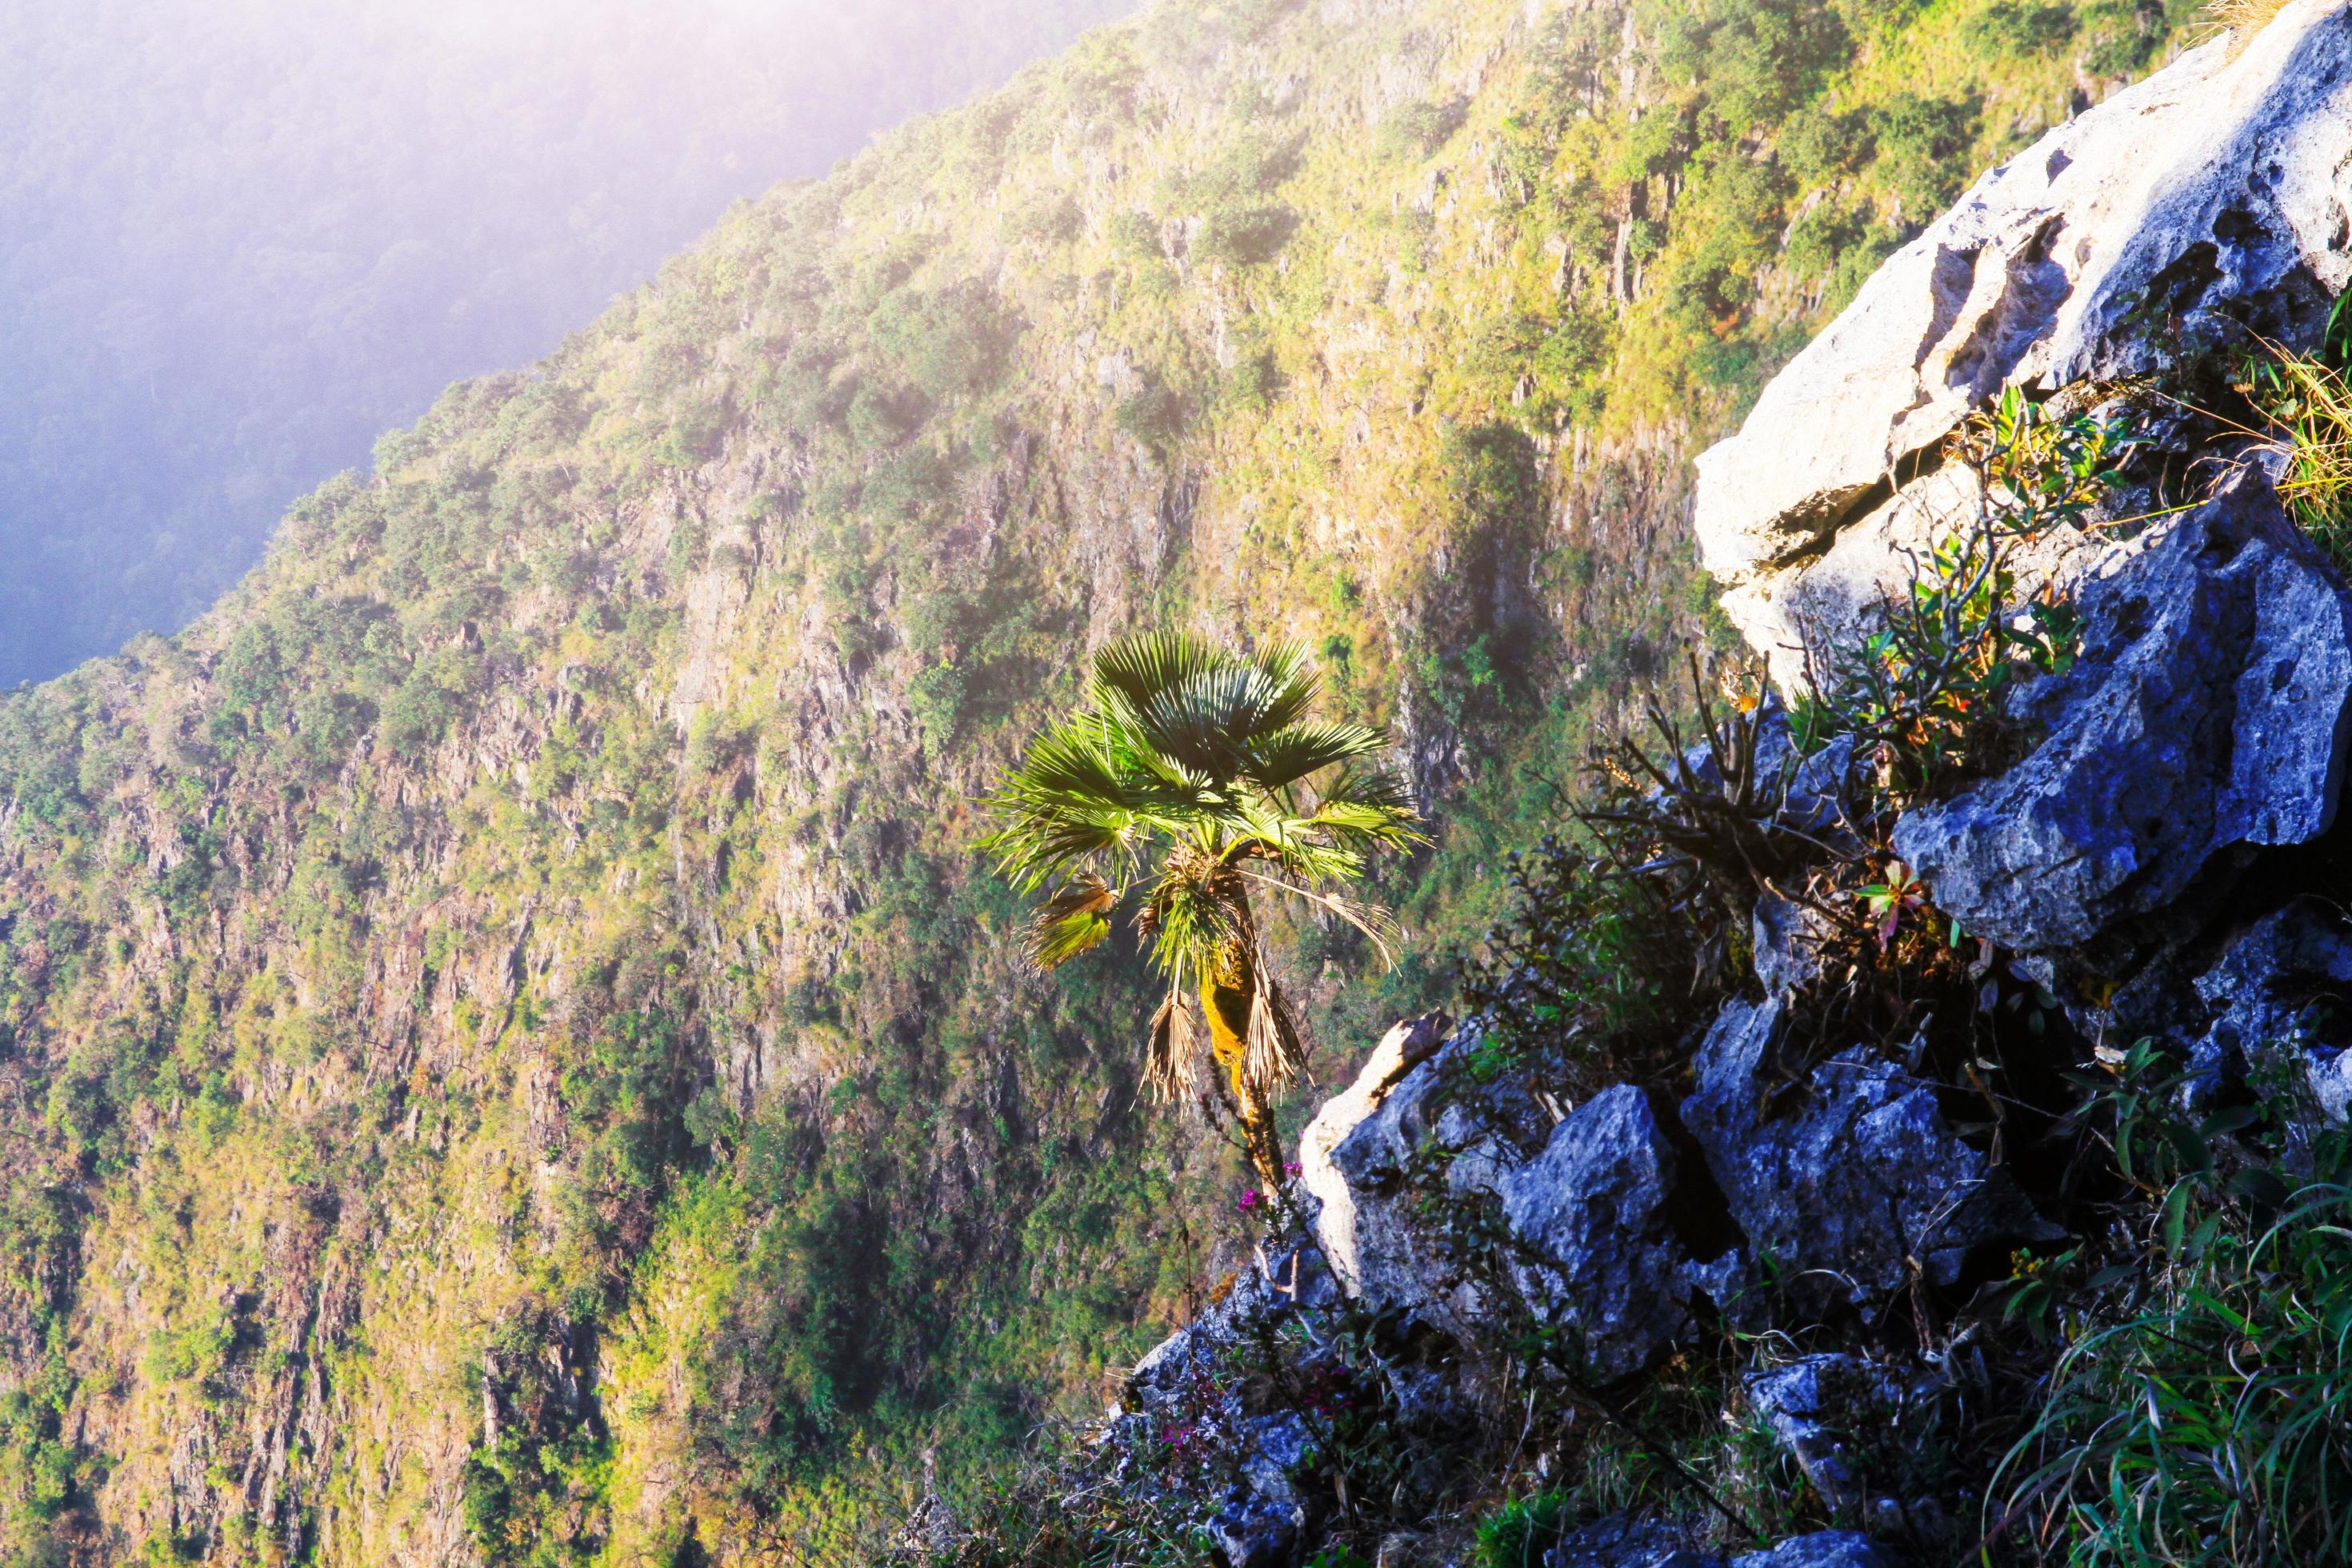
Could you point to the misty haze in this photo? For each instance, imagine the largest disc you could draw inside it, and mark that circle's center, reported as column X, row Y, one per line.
column 241, row 238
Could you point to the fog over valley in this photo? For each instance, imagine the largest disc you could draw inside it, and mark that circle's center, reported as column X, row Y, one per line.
column 240, row 238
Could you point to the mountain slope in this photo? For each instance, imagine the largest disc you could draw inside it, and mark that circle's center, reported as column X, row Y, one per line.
column 510, row 1053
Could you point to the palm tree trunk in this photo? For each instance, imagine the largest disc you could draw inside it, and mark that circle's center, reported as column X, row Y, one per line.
column 1225, row 1002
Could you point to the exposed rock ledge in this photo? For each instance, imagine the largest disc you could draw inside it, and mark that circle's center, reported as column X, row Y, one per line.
column 2148, row 860
column 2206, row 202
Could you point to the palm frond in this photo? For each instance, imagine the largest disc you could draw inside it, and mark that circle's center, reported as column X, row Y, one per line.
column 1377, row 922
column 1284, row 756
column 1078, row 793
column 1272, row 1053
column 1076, row 920
column 1193, row 917
column 1366, row 806
column 1171, row 1065
column 1204, row 723
column 1135, row 671
column 1293, row 685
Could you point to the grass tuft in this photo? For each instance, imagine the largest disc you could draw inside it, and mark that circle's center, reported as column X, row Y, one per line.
column 2307, row 404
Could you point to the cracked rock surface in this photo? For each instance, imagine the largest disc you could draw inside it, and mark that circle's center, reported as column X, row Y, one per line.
column 2206, row 201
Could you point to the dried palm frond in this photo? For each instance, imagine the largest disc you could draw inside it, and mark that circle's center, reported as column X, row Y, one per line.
column 1171, row 1066
column 1273, row 1054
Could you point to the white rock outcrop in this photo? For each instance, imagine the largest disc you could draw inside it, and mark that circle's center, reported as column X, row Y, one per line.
column 2213, row 199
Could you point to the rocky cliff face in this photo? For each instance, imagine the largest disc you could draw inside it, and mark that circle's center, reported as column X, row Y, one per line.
column 1966, row 889
column 507, row 1052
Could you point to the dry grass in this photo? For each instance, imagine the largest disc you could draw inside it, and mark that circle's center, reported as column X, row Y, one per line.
column 2308, row 404
column 2240, row 19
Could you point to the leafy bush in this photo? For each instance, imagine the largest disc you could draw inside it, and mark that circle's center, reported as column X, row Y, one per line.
column 1523, row 1531
column 1819, row 146
column 1759, row 58
column 1921, row 696
column 1154, row 415
column 1415, row 129
column 1920, row 140
column 953, row 343
column 2203, row 1413
column 2026, row 26
column 1245, row 236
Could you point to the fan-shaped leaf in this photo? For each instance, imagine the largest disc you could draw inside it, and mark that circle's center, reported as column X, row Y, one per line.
column 1284, row 756
column 1136, row 669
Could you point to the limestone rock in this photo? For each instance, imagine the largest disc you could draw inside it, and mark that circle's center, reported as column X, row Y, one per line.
column 1360, row 1156
column 1855, row 1176
column 1274, row 1449
column 1251, row 1532
column 2274, row 997
column 1405, row 1047
column 2208, row 711
column 1589, row 1218
column 1787, row 938
column 1261, row 1296
column 1621, row 1541
column 1822, row 1406
column 2206, row 200
column 1822, row 1549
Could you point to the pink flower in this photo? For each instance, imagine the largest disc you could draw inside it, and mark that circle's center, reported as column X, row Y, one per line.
column 1294, row 1169
column 1249, row 1200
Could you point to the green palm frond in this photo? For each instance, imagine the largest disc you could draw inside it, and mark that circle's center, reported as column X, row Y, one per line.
column 1209, row 722
column 1076, row 920
column 1283, row 757
column 1201, row 708
column 1194, row 917
column 1139, row 668
column 1366, row 807
column 1080, row 793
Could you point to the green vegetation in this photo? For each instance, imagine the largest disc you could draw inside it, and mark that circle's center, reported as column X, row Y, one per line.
column 2304, row 405
column 1921, row 695
column 1213, row 765
column 2199, row 1410
column 535, row 921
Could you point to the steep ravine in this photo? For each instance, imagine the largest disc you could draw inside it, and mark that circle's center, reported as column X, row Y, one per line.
column 506, row 1052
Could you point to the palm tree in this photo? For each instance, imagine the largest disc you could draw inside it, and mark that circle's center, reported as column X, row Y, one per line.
column 1192, row 780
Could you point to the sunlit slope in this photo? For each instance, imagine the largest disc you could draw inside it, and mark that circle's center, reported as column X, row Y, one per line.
column 510, row 1053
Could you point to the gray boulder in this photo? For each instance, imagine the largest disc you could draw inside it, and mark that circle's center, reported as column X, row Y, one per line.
column 1844, row 1179
column 1787, row 939
column 2208, row 712
column 1621, row 1542
column 1401, row 1125
column 1822, row 1549
column 1592, row 1243
column 1275, row 1450
column 1261, row 1296
column 2278, row 998
column 1251, row 1532
column 1824, row 1408
column 2206, row 200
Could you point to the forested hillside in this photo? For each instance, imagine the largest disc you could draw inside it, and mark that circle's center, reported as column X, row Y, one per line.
column 510, row 1053
column 245, row 237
